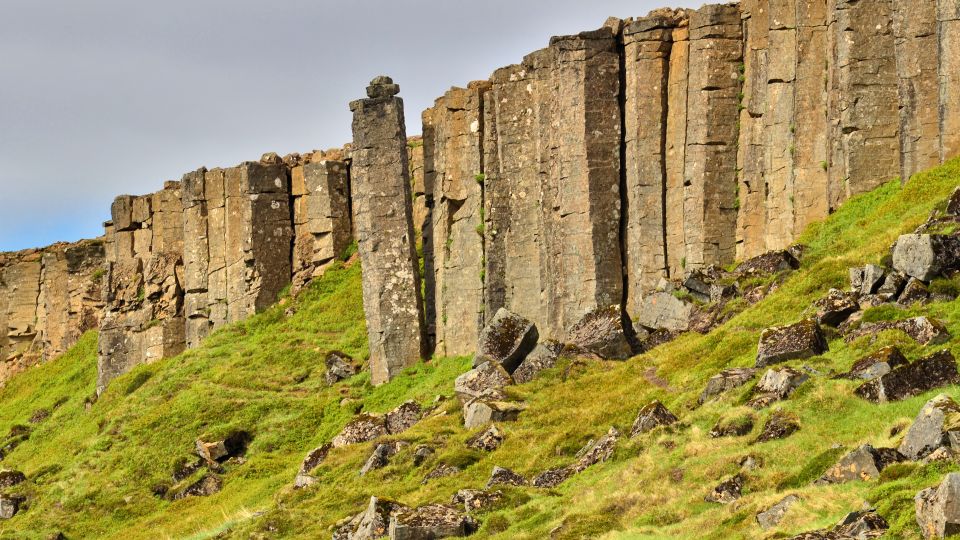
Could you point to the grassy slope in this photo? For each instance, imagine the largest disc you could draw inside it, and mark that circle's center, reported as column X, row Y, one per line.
column 92, row 471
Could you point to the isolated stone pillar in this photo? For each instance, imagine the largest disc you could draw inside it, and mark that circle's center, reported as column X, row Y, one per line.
column 380, row 184
column 321, row 216
column 647, row 44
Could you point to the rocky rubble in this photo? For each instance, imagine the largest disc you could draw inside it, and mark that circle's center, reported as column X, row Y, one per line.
column 911, row 379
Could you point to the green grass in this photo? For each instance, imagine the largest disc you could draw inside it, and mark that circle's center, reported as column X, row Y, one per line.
column 91, row 471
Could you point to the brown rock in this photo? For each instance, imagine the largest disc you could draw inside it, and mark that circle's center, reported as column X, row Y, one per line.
column 505, row 477
column 652, row 416
column 543, row 356
column 779, row 425
column 726, row 380
column 923, row 330
column 430, row 522
column 365, row 427
column 601, row 333
column 934, row 371
column 488, row 440
column 506, row 340
column 836, row 307
column 727, row 492
column 780, row 344
column 864, row 463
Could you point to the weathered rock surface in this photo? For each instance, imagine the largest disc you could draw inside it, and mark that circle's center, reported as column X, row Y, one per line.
column 877, row 364
column 780, row 344
column 10, row 505
column 652, row 416
column 204, row 487
column 430, row 522
column 340, row 366
column 771, row 517
column 403, row 417
column 733, row 427
column 381, row 455
column 543, row 356
column 775, row 385
column 506, row 340
column 235, row 444
column 310, row 462
column 768, row 264
column 727, row 491
column 923, row 330
column 936, row 508
column 726, row 380
column 10, row 478
column 779, row 425
column 501, row 476
column 862, row 525
column 481, row 411
column 926, row 256
column 383, row 222
column 594, row 452
column 934, row 371
column 441, row 471
column 836, row 307
column 484, row 380
column 664, row 311
column 487, row 440
column 476, row 499
column 371, row 524
column 937, row 425
column 601, row 333
column 364, row 428
column 864, row 463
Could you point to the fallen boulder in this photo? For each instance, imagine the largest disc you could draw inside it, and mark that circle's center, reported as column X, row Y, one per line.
column 776, row 384
column 915, row 291
column 506, row 340
column 485, row 379
column 421, row 454
column 364, row 428
column 204, row 487
column 864, row 463
column 936, row 426
column 488, row 440
column 405, row 416
column 552, row 477
column 313, row 459
column 908, row 380
column 780, row 344
column 441, row 471
column 771, row 517
column 873, row 276
column 892, row 286
column 372, row 523
column 430, row 522
column 711, row 284
column 727, row 492
column 779, row 425
column 876, row 364
column 651, row 416
column 923, row 330
column 234, row 444
column 10, row 505
column 862, row 525
column 768, row 264
column 340, row 366
column 544, row 356
column 381, row 455
column 937, row 511
column 9, row 478
column 601, row 333
column 737, row 426
column 481, row 411
column 501, row 476
column 727, row 379
column 836, row 307
column 594, row 452
column 476, row 499
column 664, row 311
column 926, row 256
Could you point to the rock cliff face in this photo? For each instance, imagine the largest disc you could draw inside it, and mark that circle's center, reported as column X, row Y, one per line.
column 574, row 180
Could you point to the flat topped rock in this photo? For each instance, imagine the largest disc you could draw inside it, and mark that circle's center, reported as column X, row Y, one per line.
column 382, row 87
column 430, row 522
column 907, row 380
column 782, row 343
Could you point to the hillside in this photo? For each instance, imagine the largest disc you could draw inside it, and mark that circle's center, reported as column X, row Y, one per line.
column 93, row 469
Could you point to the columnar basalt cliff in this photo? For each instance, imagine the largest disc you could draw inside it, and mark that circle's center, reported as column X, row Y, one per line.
column 580, row 178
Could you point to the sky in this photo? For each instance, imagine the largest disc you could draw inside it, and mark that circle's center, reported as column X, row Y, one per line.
column 106, row 97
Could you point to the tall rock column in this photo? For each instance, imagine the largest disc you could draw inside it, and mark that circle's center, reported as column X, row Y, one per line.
column 676, row 147
column 321, row 216
column 948, row 32
column 383, row 217
column 647, row 44
column 458, row 228
column 917, row 61
column 710, row 213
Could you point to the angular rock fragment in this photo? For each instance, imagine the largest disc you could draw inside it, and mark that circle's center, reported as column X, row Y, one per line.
column 381, row 455
column 877, row 364
column 314, row 458
column 892, row 286
column 601, row 333
column 484, row 380
column 204, row 487
column 9, row 478
column 552, row 477
column 505, row 477
column 488, row 440
column 664, row 311
column 650, row 417
column 926, row 256
column 727, row 379
column 734, row 427
column 430, row 522
column 907, row 380
column 372, row 523
column 705, row 285
column 937, row 425
column 481, row 411
column 780, row 425
column 233, row 445
column 780, row 344
column 856, row 278
column 923, row 330
column 339, row 367
column 915, row 291
column 10, row 505
column 771, row 517
column 873, row 277
column 768, row 264
column 405, row 416
column 421, row 454
column 506, row 340
column 476, row 499
column 727, row 492
column 864, row 463
column 775, row 385
column 594, row 452
column 441, row 471
column 544, row 356
column 938, row 514
column 366, row 427
column 836, row 307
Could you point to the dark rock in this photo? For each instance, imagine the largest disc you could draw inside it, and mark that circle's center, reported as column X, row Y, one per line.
column 364, row 428
column 953, row 204
column 907, row 380
column 863, row 524
column 775, row 385
column 204, row 487
column 430, row 523
column 553, row 477
column 601, row 333
column 314, row 458
column 780, row 425
column 487, row 440
column 926, row 256
column 915, row 291
column 864, row 463
column 872, row 278
column 372, row 523
column 10, row 478
column 184, row 468
column 381, row 455
column 544, row 356
column 923, row 330
column 937, row 511
column 505, row 477
column 727, row 379
column 892, row 286
column 476, row 499
column 772, row 516
column 405, row 416
column 421, row 454
column 480, row 412
column 10, row 505
column 506, row 340
column 664, row 311
column 876, row 364
column 836, row 307
column 768, row 264
column 727, row 492
column 340, row 366
column 441, row 471
column 234, row 444
column 596, row 452
column 650, row 417
column 706, row 285
column 780, row 344
column 936, row 426
column 485, row 379
column 39, row 415
column 734, row 427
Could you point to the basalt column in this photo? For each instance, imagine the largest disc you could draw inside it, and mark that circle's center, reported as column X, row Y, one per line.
column 19, row 287
column 647, row 44
column 321, row 217
column 676, row 147
column 710, row 169
column 864, row 110
column 382, row 206
column 917, row 61
column 948, row 31
column 458, row 227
